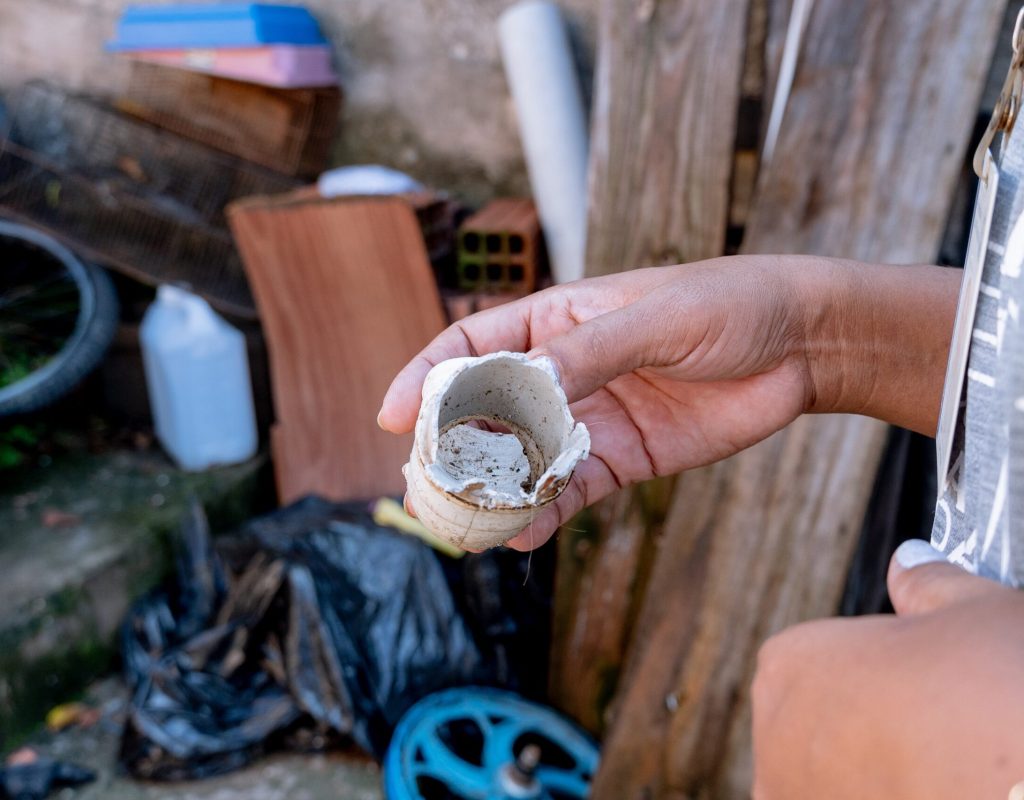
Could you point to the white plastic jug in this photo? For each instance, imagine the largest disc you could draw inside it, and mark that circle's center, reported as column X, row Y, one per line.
column 197, row 372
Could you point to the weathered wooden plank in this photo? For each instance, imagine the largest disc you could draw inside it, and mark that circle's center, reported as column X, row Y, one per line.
column 871, row 173
column 778, row 13
column 602, row 573
column 347, row 297
column 668, row 75
column 865, row 165
column 289, row 130
column 668, row 87
column 749, row 122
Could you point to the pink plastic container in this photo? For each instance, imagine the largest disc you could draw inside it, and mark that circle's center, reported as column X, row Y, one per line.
column 282, row 66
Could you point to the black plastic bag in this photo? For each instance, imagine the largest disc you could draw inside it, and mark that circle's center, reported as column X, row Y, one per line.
column 309, row 626
column 506, row 599
column 36, row 780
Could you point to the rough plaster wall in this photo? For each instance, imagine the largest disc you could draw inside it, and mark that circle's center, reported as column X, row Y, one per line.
column 424, row 86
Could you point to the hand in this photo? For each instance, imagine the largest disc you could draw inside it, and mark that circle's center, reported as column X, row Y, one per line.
column 928, row 704
column 670, row 368
column 676, row 367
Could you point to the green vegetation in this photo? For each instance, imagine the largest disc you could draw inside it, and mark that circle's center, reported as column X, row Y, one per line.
column 15, row 443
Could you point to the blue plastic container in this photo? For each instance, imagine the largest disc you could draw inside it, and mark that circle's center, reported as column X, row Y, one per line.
column 214, row 25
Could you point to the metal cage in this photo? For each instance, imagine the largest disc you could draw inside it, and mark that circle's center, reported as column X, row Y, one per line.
column 125, row 193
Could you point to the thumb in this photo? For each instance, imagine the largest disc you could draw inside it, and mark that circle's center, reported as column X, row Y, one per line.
column 922, row 580
column 599, row 350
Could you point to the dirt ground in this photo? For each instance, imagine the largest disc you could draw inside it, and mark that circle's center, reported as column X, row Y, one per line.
column 279, row 777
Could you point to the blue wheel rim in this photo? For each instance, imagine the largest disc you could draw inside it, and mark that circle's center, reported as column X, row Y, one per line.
column 452, row 745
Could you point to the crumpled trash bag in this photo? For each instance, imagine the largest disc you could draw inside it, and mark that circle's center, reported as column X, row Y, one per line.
column 309, row 627
column 36, row 780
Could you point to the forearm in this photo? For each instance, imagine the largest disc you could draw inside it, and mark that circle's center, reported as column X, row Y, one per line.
column 877, row 339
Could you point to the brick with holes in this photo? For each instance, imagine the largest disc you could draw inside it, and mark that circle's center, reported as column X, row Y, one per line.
column 501, row 248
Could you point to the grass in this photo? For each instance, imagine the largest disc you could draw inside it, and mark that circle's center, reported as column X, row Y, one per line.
column 19, row 365
column 15, row 444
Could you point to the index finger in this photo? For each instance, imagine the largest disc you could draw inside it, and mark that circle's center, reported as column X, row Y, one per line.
column 505, row 327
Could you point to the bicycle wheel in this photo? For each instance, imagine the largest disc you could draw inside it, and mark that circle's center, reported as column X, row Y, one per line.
column 57, row 317
column 461, row 744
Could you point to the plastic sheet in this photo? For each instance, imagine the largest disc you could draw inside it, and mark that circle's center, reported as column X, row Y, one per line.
column 34, row 781
column 309, row 627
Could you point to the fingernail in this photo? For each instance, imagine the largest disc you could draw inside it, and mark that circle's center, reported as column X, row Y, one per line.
column 915, row 552
column 379, row 425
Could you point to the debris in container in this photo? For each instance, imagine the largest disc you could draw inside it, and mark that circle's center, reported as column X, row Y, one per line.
column 477, row 488
column 310, row 626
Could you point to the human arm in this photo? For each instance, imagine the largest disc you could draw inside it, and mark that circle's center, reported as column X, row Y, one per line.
column 879, row 342
column 676, row 367
column 926, row 704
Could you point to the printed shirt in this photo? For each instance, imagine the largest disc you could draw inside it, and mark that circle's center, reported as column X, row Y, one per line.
column 979, row 516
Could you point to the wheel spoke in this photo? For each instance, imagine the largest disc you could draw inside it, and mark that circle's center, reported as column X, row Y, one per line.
column 564, row 781
column 37, row 287
column 40, row 305
column 442, row 764
column 498, row 746
column 448, row 730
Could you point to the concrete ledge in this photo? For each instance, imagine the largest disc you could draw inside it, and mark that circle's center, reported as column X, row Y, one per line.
column 79, row 541
column 282, row 776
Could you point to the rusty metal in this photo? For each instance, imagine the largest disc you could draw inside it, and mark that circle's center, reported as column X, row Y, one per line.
column 1004, row 115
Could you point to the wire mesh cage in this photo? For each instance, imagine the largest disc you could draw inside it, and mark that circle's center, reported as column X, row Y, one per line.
column 128, row 194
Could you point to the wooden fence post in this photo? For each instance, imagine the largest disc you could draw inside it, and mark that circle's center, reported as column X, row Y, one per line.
column 870, row 146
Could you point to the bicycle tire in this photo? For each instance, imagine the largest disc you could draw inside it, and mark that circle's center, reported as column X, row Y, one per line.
column 84, row 349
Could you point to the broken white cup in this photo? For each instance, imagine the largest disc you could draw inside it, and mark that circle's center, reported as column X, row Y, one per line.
column 477, row 487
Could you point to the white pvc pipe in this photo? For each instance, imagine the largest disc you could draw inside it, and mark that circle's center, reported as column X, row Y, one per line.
column 552, row 125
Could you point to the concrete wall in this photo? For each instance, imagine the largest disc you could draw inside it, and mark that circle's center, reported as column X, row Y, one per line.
column 423, row 79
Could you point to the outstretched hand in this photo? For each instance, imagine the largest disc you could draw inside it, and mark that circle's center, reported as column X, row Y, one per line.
column 670, row 368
